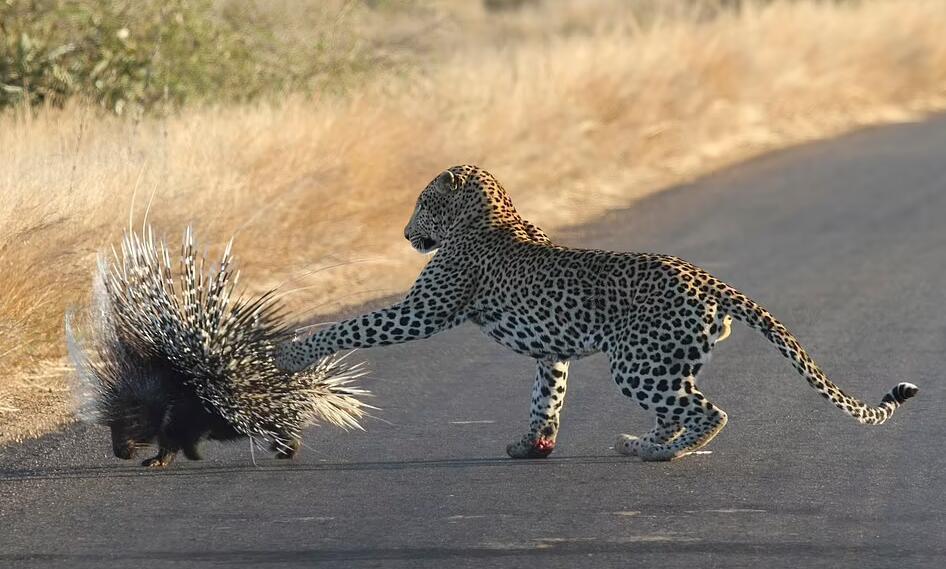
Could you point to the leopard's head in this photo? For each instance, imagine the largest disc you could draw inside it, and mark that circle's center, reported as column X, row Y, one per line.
column 457, row 200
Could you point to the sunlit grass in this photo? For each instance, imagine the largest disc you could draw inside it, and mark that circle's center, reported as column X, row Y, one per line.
column 574, row 113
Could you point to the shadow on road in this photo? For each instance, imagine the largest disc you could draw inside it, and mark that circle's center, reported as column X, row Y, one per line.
column 197, row 469
column 532, row 549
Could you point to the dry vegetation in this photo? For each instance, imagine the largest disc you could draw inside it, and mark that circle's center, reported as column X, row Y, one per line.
column 577, row 106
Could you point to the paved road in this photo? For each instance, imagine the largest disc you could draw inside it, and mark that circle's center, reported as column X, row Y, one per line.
column 845, row 241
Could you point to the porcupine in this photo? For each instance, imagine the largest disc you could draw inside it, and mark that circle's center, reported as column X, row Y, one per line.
column 172, row 359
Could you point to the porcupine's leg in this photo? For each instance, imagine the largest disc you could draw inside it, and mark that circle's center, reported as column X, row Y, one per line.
column 164, row 457
column 167, row 446
column 170, row 441
column 286, row 451
column 186, row 424
column 192, row 451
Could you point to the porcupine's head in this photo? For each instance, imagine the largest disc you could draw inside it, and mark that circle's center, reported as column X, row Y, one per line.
column 114, row 385
column 137, row 426
column 130, row 398
column 128, row 437
column 136, row 408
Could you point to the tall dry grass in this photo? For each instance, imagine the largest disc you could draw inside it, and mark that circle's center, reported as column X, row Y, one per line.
column 574, row 113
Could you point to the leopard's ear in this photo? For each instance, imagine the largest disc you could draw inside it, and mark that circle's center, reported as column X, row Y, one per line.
column 447, row 182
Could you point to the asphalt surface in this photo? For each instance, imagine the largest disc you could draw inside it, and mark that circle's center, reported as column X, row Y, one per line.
column 845, row 241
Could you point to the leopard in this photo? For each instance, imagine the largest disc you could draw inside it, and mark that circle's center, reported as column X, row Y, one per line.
column 655, row 317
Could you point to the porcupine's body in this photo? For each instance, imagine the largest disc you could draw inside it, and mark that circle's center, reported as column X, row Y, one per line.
column 172, row 415
column 174, row 359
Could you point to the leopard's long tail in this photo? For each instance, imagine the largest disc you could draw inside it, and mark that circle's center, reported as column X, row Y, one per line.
column 746, row 310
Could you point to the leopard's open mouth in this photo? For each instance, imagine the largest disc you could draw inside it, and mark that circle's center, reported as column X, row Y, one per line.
column 424, row 244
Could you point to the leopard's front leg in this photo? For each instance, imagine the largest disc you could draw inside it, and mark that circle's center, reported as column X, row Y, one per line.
column 395, row 324
column 548, row 396
column 435, row 303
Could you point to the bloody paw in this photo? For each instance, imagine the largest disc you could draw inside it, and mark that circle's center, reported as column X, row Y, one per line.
column 539, row 448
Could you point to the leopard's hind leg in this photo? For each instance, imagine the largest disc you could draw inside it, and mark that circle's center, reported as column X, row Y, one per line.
column 661, row 376
column 686, row 419
column 698, row 430
column 663, row 432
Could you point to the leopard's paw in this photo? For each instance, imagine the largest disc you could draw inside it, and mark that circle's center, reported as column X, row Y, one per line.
column 531, row 447
column 650, row 452
column 628, row 445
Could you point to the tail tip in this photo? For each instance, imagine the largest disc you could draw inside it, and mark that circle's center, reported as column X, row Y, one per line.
column 904, row 391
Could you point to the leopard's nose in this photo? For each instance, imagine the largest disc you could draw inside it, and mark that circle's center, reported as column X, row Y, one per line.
column 407, row 235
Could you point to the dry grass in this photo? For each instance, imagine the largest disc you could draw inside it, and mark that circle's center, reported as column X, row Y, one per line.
column 576, row 111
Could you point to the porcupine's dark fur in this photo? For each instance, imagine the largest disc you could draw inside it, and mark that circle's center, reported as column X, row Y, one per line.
column 173, row 359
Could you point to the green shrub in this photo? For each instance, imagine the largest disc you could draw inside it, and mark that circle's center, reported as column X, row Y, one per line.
column 133, row 55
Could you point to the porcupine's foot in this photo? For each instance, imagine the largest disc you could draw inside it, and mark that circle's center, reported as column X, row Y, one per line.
column 531, row 446
column 192, row 452
column 286, row 451
column 164, row 458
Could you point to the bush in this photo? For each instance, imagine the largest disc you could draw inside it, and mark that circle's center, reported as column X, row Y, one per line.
column 144, row 54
